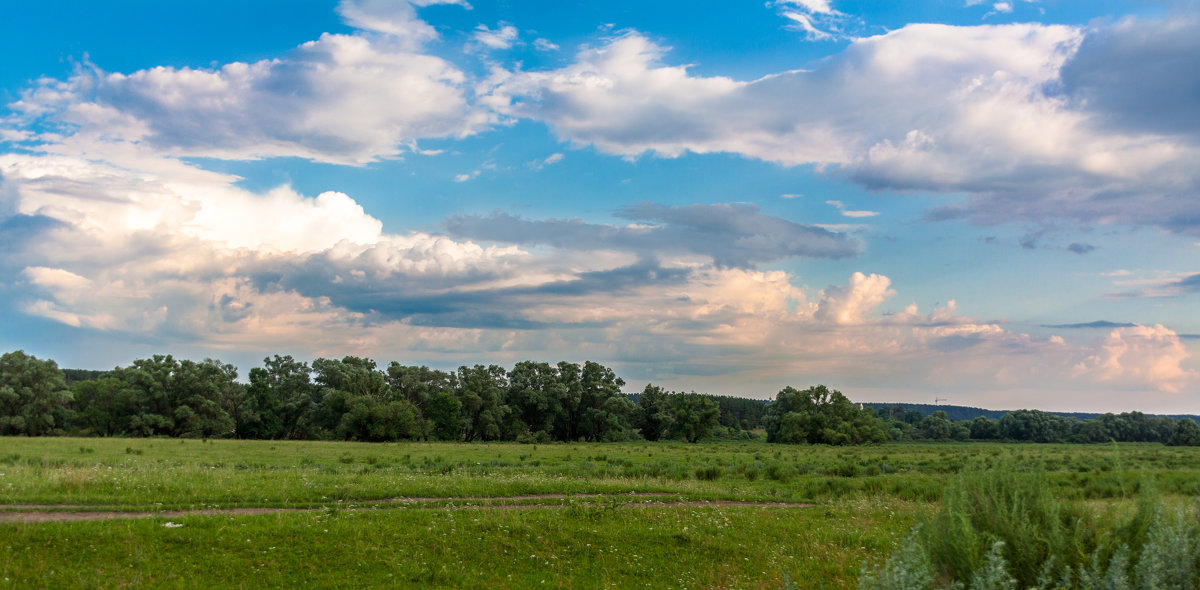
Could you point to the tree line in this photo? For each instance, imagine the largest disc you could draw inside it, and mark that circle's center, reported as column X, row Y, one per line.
column 355, row 399
column 1041, row 427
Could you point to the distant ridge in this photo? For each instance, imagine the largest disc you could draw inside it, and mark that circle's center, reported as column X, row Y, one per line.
column 970, row 413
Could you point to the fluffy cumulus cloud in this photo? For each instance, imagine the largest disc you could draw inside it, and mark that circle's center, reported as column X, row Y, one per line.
column 1031, row 121
column 163, row 249
column 342, row 98
column 1149, row 353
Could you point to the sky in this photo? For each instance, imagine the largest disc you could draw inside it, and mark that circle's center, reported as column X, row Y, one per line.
column 991, row 203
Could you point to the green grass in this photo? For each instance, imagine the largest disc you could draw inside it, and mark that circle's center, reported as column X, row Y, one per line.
column 866, row 500
column 581, row 546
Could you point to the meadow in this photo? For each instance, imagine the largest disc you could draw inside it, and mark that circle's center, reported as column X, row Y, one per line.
column 121, row 512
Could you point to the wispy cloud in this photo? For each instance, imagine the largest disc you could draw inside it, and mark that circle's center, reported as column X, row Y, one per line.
column 817, row 19
column 849, row 212
column 730, row 234
column 1159, row 288
column 485, row 39
column 547, row 161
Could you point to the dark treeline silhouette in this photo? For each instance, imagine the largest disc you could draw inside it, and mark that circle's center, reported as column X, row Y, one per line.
column 355, row 399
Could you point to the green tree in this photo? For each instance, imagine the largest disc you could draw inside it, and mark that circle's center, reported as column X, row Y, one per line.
column 279, row 395
column 419, row 385
column 603, row 411
column 984, row 428
column 177, row 398
column 653, row 416
column 819, row 415
column 444, row 413
column 33, row 395
column 1035, row 426
column 936, row 426
column 353, row 375
column 536, row 394
column 481, row 393
column 370, row 419
column 693, row 416
column 102, row 405
column 1186, row 434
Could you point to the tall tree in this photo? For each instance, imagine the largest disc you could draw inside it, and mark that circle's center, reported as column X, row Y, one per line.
column 420, row 385
column 444, row 415
column 178, row 398
column 693, row 416
column 653, row 415
column 603, row 412
column 819, row 415
column 33, row 395
column 279, row 395
column 536, row 395
column 102, row 406
column 481, row 393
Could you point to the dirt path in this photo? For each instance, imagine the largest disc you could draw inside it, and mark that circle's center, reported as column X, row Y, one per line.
column 30, row 513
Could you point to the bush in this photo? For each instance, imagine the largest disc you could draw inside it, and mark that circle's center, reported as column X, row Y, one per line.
column 1004, row 504
column 1002, row 529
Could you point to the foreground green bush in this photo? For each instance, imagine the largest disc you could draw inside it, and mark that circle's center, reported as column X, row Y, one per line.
column 1003, row 529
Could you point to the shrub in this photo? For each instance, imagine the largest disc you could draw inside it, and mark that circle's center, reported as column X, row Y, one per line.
column 1038, row 542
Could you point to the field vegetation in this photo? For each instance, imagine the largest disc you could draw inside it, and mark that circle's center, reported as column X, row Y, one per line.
column 734, row 514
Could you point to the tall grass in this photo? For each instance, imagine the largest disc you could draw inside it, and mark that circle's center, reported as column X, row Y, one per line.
column 1017, row 508
column 1003, row 528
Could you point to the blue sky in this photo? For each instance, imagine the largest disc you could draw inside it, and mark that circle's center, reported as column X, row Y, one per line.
column 991, row 202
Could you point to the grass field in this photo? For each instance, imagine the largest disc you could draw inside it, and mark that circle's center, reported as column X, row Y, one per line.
column 656, row 515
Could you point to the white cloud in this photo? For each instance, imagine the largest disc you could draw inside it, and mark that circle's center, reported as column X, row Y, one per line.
column 813, row 6
column 849, row 212
column 1152, row 354
column 465, row 176
column 547, row 161
column 817, row 19
column 140, row 252
column 108, row 203
column 927, row 107
column 397, row 18
column 502, row 38
column 343, row 98
column 803, row 22
column 544, row 45
column 851, row 304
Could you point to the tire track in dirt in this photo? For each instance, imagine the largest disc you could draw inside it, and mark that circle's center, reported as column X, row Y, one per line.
column 35, row 513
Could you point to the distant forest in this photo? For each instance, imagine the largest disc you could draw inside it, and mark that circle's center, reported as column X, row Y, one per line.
column 970, row 413
column 353, row 398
